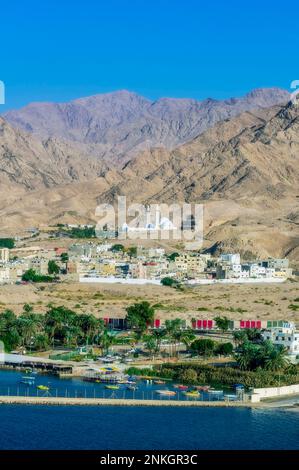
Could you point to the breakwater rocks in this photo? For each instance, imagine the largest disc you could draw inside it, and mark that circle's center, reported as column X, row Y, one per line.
column 119, row 402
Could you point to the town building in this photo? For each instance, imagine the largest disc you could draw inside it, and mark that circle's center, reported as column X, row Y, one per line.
column 4, row 255
column 286, row 336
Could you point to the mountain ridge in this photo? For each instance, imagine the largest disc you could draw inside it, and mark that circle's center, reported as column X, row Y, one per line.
column 118, row 125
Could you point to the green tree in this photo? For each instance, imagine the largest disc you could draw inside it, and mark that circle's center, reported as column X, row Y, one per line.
column 277, row 359
column 57, row 322
column 106, row 340
column 151, row 343
column 187, row 337
column 240, row 336
column 32, row 276
column 28, row 325
column 188, row 376
column 11, row 339
column 117, row 247
column 173, row 332
column 64, row 257
column 169, row 282
column 90, row 327
column 203, row 347
column 173, row 256
column 140, row 315
column 253, row 334
column 222, row 323
column 27, row 308
column 132, row 251
column 224, row 349
column 7, row 243
column 248, row 356
column 53, row 267
column 159, row 335
column 41, row 342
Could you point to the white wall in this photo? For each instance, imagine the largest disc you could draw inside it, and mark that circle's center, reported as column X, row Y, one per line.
column 272, row 392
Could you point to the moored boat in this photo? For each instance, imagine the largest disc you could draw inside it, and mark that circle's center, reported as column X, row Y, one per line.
column 112, row 387
column 159, row 382
column 28, row 380
column 192, row 394
column 43, row 387
column 167, row 393
column 181, row 387
column 202, row 388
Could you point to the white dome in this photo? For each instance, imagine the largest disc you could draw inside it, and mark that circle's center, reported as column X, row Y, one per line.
column 166, row 224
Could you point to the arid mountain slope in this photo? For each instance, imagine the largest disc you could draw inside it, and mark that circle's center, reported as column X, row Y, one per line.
column 245, row 171
column 28, row 164
column 116, row 126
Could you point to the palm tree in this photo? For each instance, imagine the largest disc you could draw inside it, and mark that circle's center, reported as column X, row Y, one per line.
column 159, row 335
column 71, row 333
column 90, row 326
column 277, row 359
column 151, row 344
column 239, row 336
column 248, row 356
column 105, row 340
column 28, row 324
column 187, row 337
column 173, row 328
column 58, row 320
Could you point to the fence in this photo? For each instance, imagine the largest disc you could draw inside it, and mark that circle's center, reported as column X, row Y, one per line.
column 100, row 393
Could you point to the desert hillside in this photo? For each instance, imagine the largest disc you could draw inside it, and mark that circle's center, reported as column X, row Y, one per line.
column 244, row 170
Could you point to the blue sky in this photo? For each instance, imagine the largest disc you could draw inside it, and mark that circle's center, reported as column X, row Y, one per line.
column 59, row 50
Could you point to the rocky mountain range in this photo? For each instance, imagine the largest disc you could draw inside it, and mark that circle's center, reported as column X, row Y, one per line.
column 244, row 169
column 116, row 126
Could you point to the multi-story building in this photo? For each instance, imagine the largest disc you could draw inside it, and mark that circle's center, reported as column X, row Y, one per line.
column 40, row 265
column 230, row 258
column 192, row 264
column 286, row 336
column 4, row 275
column 4, row 255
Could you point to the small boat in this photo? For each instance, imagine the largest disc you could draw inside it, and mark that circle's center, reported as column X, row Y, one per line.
column 216, row 392
column 192, row 394
column 203, row 388
column 112, row 387
column 166, row 393
column 28, row 380
column 43, row 387
column 181, row 387
column 159, row 382
column 132, row 388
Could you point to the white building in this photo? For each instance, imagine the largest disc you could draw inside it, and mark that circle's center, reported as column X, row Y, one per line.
column 231, row 258
column 4, row 255
column 4, row 275
column 286, row 336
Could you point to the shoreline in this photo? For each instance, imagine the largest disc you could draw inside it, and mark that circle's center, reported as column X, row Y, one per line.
column 15, row 400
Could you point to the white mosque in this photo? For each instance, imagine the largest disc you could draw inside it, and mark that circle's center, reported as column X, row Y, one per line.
column 144, row 222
